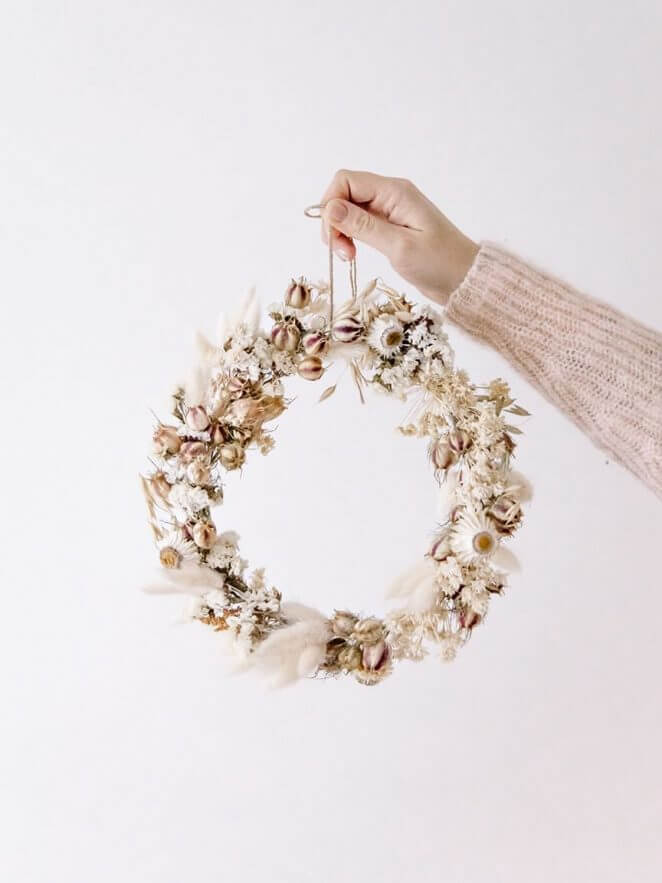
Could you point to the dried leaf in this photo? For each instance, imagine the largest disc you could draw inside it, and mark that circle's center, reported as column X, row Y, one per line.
column 521, row 412
column 328, row 392
column 514, row 429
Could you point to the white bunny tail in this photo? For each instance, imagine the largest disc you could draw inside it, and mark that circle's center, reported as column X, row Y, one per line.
column 522, row 486
column 189, row 579
column 412, row 579
column 506, row 560
column 293, row 651
column 245, row 314
column 222, row 329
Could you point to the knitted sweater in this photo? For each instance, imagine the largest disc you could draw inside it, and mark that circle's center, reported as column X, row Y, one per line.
column 596, row 364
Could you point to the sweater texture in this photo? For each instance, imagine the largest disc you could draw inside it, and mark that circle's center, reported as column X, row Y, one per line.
column 599, row 366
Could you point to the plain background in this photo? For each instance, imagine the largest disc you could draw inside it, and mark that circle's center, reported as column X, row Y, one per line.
column 155, row 161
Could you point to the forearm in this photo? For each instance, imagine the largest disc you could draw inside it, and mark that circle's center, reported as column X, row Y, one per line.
column 600, row 367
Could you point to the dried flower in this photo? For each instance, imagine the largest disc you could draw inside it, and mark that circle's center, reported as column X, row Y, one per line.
column 217, row 434
column 198, row 472
column 197, row 419
column 174, row 549
column 297, row 294
column 285, row 336
column 386, row 335
column 374, row 656
column 310, row 368
column 166, row 440
column 191, row 450
column 459, row 440
column 473, row 537
column 348, row 330
column 204, row 534
column 343, row 623
column 232, row 455
column 349, row 657
column 314, row 343
column 506, row 512
column 441, row 454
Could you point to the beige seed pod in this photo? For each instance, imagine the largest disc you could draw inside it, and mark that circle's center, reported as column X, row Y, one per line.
column 441, row 454
column 166, row 440
column 285, row 336
column 217, row 434
column 314, row 343
column 374, row 656
column 369, row 630
column 190, row 450
column 297, row 294
column 204, row 534
column 198, row 472
column 459, row 440
column 197, row 419
column 310, row 368
column 349, row 657
column 232, row 455
column 347, row 330
column 506, row 510
column 243, row 411
column 343, row 623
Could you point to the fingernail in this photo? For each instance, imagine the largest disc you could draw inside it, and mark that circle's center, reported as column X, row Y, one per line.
column 337, row 210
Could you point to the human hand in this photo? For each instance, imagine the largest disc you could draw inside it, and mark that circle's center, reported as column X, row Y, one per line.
column 393, row 216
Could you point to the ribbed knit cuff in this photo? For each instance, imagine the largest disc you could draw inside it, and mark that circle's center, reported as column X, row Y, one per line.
column 598, row 365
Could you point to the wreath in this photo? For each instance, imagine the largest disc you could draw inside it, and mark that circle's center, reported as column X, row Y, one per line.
column 224, row 413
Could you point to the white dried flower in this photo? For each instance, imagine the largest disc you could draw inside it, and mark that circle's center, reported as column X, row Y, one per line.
column 473, row 537
column 385, row 335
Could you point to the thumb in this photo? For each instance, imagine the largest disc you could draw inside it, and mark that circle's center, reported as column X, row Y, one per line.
column 359, row 224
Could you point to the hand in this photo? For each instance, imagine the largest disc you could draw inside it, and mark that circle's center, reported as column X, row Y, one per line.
column 394, row 217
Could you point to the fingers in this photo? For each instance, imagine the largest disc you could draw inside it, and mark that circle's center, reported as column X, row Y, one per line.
column 360, row 187
column 354, row 222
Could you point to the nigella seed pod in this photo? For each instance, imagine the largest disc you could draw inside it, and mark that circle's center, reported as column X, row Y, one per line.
column 349, row 657
column 236, row 385
column 243, row 411
column 505, row 509
column 310, row 368
column 166, row 440
column 232, row 456
column 192, row 449
column 459, row 440
column 197, row 419
column 204, row 534
column 285, row 336
column 347, row 330
column 297, row 294
column 441, row 454
column 440, row 548
column 217, row 434
column 374, row 656
column 314, row 343
column 342, row 623
column 198, row 473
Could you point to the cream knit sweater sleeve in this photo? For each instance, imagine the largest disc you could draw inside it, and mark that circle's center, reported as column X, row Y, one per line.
column 600, row 367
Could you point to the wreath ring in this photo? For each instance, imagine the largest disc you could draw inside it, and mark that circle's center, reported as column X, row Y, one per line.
column 389, row 344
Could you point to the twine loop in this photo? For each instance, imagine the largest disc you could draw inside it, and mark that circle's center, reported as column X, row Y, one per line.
column 315, row 212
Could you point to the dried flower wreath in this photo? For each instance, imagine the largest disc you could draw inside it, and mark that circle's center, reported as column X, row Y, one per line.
column 389, row 344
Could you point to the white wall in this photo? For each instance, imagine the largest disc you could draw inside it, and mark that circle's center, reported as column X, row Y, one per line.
column 155, row 158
